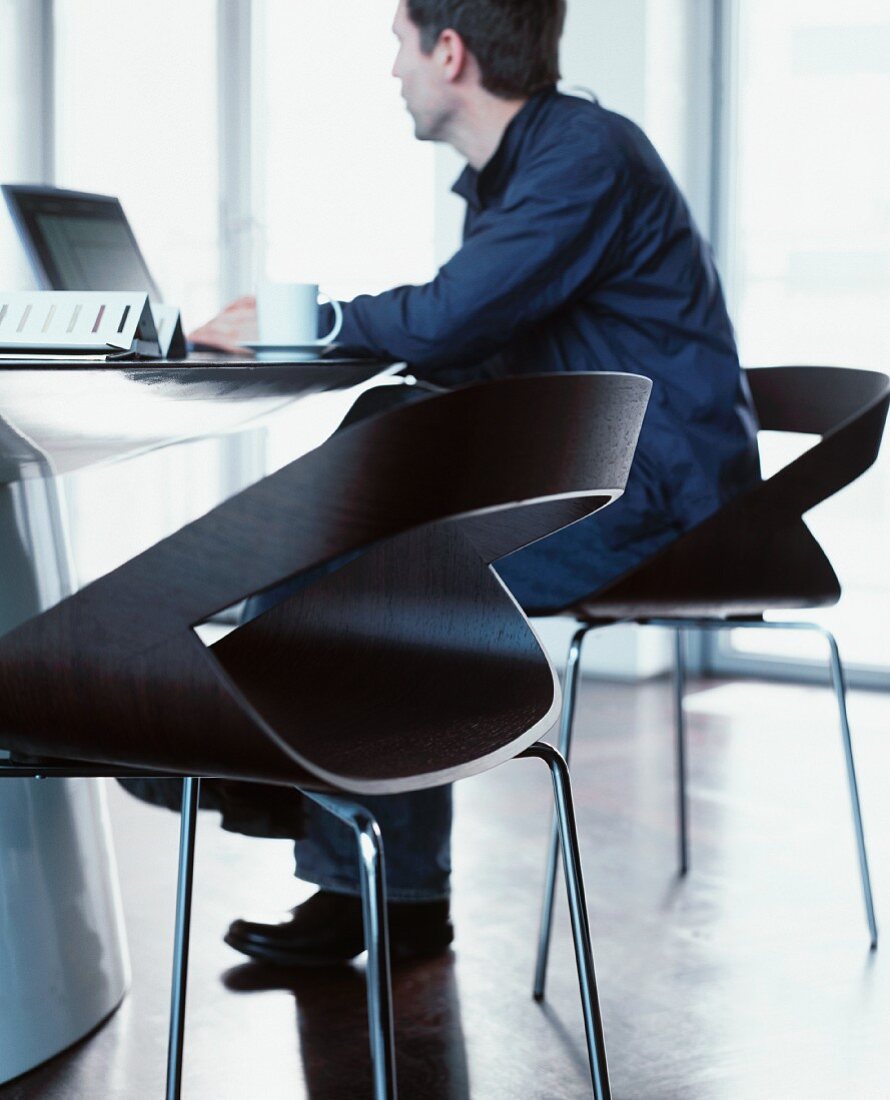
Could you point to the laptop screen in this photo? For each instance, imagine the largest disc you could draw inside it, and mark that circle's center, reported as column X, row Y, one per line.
column 78, row 241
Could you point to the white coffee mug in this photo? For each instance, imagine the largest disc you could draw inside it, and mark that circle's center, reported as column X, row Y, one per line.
column 287, row 315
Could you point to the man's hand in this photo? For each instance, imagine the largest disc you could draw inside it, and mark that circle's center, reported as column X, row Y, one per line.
column 229, row 329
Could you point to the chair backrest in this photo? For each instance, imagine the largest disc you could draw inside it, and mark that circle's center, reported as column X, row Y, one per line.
column 413, row 630
column 846, row 407
column 757, row 553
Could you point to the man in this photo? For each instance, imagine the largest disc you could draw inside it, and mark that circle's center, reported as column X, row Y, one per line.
column 579, row 254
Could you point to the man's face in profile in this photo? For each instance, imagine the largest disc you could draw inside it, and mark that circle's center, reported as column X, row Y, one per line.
column 425, row 90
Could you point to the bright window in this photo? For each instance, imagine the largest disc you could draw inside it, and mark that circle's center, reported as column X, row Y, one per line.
column 136, row 117
column 343, row 193
column 809, row 254
column 15, row 154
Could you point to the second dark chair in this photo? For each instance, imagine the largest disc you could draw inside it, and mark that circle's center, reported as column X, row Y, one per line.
column 752, row 556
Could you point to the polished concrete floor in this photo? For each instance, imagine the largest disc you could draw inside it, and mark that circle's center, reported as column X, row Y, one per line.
column 750, row 979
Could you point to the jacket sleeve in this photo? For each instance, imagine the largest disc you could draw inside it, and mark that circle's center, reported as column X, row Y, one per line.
column 524, row 261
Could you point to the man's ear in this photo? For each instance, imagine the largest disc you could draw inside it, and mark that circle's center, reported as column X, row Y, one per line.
column 452, row 55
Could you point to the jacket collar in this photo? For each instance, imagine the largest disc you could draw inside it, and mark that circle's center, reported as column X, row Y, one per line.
column 479, row 188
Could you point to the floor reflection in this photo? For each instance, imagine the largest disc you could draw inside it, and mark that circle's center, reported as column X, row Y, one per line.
column 332, row 1019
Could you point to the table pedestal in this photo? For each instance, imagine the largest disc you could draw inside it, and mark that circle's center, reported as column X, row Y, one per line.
column 63, row 955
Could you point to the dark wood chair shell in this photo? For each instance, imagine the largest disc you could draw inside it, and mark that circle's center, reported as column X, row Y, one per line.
column 757, row 553
column 753, row 555
column 413, row 631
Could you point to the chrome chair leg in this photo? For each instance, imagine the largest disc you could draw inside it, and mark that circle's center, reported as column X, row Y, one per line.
column 837, row 679
column 568, row 832
column 569, row 696
column 191, row 788
column 377, row 970
column 680, row 732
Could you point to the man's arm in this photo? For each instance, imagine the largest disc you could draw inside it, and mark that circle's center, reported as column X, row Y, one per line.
column 522, row 263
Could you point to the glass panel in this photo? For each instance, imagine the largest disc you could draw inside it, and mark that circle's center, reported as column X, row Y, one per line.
column 344, row 192
column 14, row 157
column 809, row 267
column 136, row 110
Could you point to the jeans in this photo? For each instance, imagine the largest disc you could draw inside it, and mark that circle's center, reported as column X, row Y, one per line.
column 416, row 830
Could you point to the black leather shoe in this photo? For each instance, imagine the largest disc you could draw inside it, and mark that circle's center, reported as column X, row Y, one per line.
column 327, row 930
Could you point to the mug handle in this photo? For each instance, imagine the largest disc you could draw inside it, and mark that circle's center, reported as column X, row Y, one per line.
column 338, row 322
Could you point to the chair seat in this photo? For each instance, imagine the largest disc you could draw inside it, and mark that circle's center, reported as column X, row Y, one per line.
column 729, row 566
column 607, row 611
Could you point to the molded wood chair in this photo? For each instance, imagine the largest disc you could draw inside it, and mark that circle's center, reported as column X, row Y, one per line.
column 754, row 555
column 349, row 683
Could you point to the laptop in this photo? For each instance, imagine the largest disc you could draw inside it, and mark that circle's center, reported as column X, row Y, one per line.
column 78, row 241
column 75, row 240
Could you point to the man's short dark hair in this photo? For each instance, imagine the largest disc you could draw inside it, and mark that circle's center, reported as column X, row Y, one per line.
column 515, row 42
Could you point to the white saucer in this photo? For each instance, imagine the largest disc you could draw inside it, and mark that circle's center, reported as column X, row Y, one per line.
column 303, row 351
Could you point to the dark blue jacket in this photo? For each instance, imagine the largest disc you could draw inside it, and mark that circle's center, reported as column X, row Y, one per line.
column 580, row 254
